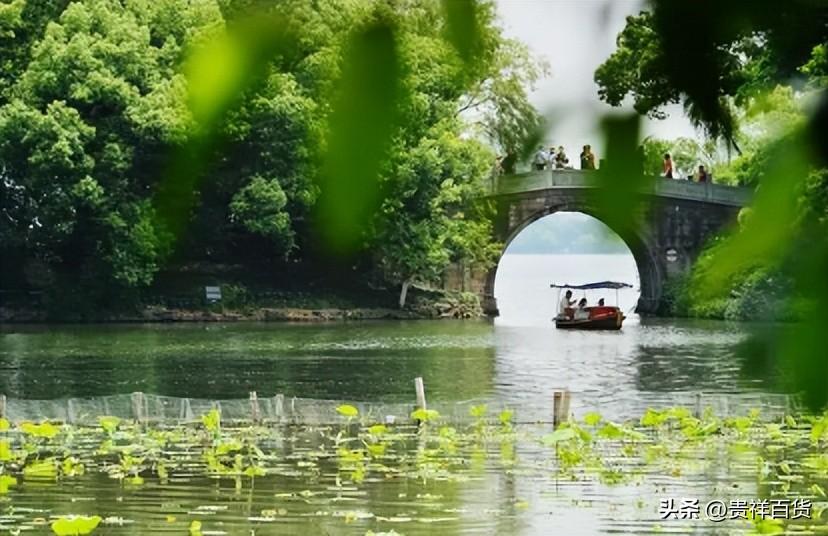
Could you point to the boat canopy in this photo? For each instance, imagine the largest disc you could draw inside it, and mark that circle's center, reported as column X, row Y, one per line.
column 600, row 284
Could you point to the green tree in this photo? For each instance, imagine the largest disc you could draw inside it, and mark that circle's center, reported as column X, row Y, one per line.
column 687, row 154
column 22, row 23
column 105, row 104
column 710, row 55
column 85, row 132
column 765, row 120
column 258, row 207
column 435, row 220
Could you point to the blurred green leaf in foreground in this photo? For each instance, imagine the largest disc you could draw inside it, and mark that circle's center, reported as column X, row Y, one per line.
column 364, row 119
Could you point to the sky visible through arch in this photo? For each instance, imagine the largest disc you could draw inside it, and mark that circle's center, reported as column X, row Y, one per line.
column 575, row 37
column 567, row 233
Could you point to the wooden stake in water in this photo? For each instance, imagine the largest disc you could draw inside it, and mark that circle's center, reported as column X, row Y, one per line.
column 2, row 406
column 254, row 406
column 560, row 406
column 184, row 412
column 279, row 406
column 698, row 410
column 138, row 407
column 557, row 402
column 420, row 388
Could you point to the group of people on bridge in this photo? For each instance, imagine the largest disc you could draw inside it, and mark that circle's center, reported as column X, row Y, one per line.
column 544, row 158
column 701, row 175
column 556, row 158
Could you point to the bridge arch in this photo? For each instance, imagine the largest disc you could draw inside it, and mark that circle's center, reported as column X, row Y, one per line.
column 638, row 238
column 667, row 228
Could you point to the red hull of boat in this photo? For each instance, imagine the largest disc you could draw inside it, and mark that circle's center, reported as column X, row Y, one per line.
column 607, row 321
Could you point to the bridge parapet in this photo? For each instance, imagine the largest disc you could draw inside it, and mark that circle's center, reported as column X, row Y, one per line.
column 534, row 181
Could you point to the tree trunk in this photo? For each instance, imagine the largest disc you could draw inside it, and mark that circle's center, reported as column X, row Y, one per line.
column 404, row 292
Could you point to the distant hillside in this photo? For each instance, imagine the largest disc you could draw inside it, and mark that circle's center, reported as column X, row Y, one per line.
column 567, row 232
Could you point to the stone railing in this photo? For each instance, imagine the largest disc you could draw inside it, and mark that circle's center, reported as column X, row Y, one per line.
column 674, row 188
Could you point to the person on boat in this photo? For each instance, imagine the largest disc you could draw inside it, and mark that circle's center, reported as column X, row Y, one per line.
column 582, row 313
column 601, row 302
column 566, row 303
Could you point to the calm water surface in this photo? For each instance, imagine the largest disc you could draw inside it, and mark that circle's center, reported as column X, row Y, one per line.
column 515, row 361
column 519, row 357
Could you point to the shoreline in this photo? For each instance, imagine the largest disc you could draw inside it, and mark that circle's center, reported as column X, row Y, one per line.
column 163, row 315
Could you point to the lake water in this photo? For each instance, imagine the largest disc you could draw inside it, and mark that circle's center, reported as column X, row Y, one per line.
column 515, row 361
column 517, row 358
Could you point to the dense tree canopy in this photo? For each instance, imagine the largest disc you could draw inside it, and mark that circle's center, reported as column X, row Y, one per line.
column 96, row 106
column 709, row 55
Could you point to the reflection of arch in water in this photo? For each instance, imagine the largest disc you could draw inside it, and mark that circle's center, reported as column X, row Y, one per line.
column 637, row 238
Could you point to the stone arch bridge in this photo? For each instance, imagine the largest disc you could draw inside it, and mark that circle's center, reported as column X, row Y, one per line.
column 676, row 218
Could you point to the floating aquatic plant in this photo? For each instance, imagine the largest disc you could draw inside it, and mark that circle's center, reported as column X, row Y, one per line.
column 425, row 415
column 6, row 482
column 75, row 525
column 43, row 430
column 109, row 424
column 341, row 464
column 347, row 410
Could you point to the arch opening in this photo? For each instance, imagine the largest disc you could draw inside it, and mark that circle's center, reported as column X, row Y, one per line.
column 567, row 246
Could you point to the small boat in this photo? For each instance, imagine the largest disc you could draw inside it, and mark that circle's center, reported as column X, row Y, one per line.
column 605, row 317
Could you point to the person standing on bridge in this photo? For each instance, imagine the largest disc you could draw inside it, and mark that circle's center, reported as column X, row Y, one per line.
column 702, row 175
column 668, row 166
column 587, row 158
column 507, row 164
column 540, row 160
column 561, row 159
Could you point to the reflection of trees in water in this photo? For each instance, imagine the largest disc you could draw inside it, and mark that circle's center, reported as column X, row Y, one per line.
column 368, row 362
column 750, row 362
column 71, row 362
column 674, row 368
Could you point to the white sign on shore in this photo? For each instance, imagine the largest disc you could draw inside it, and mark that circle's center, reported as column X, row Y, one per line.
column 213, row 294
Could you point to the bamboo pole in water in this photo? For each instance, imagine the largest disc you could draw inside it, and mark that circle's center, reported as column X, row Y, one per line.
column 278, row 406
column 70, row 412
column 138, row 407
column 560, row 406
column 254, row 406
column 2, row 406
column 419, row 387
column 557, row 398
